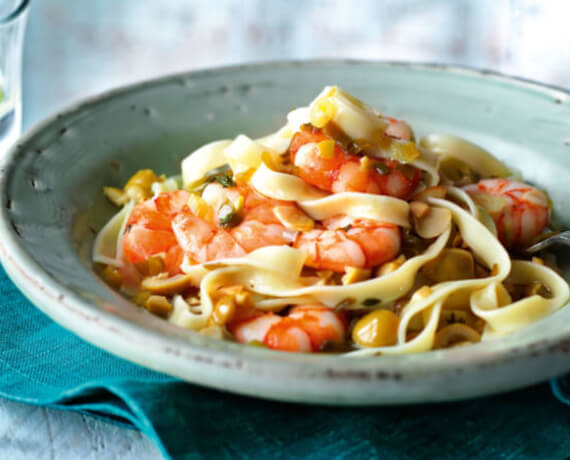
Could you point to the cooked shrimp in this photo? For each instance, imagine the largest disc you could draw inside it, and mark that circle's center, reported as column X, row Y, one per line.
column 166, row 224
column 149, row 230
column 306, row 328
column 260, row 226
column 520, row 212
column 340, row 171
column 202, row 241
column 338, row 243
column 346, row 242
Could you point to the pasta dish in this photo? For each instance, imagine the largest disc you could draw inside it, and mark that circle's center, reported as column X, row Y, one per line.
column 341, row 232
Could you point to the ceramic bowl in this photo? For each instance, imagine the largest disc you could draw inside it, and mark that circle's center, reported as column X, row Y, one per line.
column 51, row 186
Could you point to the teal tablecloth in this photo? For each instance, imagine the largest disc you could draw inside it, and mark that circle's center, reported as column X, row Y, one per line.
column 41, row 363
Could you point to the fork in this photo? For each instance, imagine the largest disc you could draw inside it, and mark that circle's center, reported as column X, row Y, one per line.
column 561, row 238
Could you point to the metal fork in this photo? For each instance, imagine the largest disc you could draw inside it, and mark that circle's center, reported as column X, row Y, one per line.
column 561, row 238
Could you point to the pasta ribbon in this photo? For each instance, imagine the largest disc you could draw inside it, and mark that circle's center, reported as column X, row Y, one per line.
column 502, row 319
column 243, row 154
column 361, row 205
column 280, row 140
column 485, row 246
column 261, row 275
column 281, row 186
column 319, row 206
column 355, row 118
column 196, row 165
column 107, row 248
column 476, row 211
column 428, row 163
column 184, row 316
column 477, row 158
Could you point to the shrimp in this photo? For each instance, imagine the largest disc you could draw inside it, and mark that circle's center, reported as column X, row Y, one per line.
column 341, row 171
column 149, row 230
column 307, row 328
column 346, row 242
column 520, row 212
column 202, row 241
column 339, row 243
column 260, row 226
column 166, row 225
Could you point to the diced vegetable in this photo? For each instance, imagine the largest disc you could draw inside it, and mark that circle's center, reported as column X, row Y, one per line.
column 293, row 218
column 419, row 209
column 116, row 195
column 452, row 264
column 366, row 164
column 354, row 275
column 224, row 310
column 200, row 208
column 391, row 266
column 228, row 217
column 455, row 334
column 376, row 329
column 158, row 305
column 167, row 285
column 113, row 276
column 326, row 149
column 433, row 223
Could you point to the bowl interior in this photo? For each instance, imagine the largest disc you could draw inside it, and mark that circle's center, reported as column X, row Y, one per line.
column 52, row 185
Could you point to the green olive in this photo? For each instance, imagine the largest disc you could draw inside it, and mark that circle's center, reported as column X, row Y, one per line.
column 376, row 329
column 451, row 265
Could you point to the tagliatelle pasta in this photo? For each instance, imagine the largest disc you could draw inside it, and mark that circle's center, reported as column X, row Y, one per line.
column 336, row 233
column 479, row 160
column 203, row 160
column 107, row 248
column 319, row 206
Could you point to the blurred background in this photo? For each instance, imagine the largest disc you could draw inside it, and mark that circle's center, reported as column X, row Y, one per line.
column 78, row 48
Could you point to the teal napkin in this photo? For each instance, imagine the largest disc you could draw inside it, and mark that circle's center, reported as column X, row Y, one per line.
column 43, row 364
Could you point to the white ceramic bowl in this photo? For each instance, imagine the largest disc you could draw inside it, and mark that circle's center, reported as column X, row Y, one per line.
column 50, row 181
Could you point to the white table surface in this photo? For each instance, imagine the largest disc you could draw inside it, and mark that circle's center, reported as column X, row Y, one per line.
column 31, row 432
column 74, row 49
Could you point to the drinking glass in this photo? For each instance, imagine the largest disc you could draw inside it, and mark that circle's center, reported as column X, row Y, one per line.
column 12, row 24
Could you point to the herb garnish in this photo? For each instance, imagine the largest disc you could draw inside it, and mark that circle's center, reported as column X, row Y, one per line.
column 370, row 302
column 227, row 217
column 223, row 179
column 222, row 175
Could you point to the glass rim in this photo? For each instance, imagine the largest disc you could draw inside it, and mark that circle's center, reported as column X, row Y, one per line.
column 15, row 13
